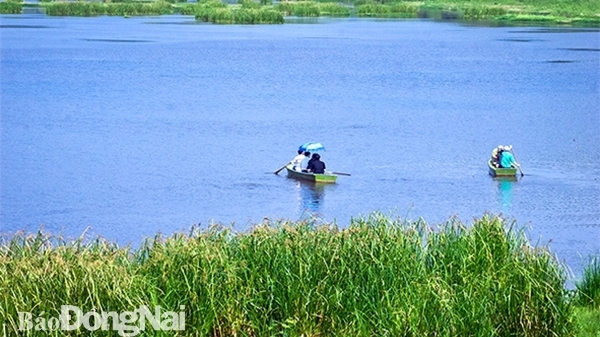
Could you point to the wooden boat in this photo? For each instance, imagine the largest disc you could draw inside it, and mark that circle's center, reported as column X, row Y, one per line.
column 318, row 178
column 500, row 171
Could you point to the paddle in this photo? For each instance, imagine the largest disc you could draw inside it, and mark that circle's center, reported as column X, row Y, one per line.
column 277, row 172
column 340, row 173
column 518, row 165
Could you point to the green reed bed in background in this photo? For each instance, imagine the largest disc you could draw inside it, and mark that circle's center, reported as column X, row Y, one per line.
column 585, row 13
column 580, row 12
column 483, row 12
column 392, row 10
column 250, row 12
column 312, row 9
column 246, row 12
column 380, row 276
column 81, row 8
column 334, row 10
column 11, row 7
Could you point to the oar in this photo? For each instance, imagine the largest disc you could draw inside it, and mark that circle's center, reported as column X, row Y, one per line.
column 518, row 165
column 277, row 172
column 340, row 173
column 521, row 170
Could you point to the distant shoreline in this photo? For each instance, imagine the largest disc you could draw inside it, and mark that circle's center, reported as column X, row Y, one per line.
column 585, row 14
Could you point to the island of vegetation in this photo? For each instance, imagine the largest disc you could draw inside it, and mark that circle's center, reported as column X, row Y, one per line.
column 379, row 276
column 581, row 13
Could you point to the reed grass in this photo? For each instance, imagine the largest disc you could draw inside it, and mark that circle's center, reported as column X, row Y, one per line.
column 299, row 8
column 379, row 276
column 312, row 9
column 483, row 12
column 586, row 321
column 11, row 7
column 334, row 9
column 588, row 288
column 393, row 10
column 80, row 8
column 187, row 9
column 225, row 15
column 247, row 12
column 577, row 13
column 584, row 13
column 249, row 4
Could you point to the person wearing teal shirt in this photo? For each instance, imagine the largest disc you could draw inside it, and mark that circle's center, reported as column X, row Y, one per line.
column 507, row 159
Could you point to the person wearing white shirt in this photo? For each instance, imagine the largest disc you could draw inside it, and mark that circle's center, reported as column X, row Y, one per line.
column 299, row 160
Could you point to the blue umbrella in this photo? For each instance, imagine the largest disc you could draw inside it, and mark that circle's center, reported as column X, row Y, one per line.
column 311, row 147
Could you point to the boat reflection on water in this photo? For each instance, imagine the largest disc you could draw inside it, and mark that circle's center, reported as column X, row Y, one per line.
column 310, row 199
column 505, row 192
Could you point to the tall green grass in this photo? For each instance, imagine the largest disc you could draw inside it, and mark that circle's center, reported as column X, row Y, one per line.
column 312, row 9
column 11, row 7
column 588, row 288
column 332, row 9
column 238, row 16
column 586, row 321
column 561, row 12
column 483, row 12
column 586, row 315
column 577, row 13
column 392, row 10
column 247, row 12
column 380, row 276
column 81, row 8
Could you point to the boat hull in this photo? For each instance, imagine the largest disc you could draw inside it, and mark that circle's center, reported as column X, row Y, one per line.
column 501, row 172
column 317, row 178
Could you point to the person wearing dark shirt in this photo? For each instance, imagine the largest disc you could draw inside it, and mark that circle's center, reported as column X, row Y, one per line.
column 316, row 165
column 309, row 161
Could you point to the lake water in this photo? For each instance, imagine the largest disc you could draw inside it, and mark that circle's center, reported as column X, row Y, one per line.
column 145, row 125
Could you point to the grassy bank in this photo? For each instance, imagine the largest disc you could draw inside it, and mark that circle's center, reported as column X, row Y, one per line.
column 11, row 7
column 247, row 12
column 586, row 321
column 558, row 12
column 583, row 13
column 380, row 276
column 80, row 8
column 587, row 301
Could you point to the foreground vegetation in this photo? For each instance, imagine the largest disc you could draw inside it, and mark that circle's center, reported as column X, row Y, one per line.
column 558, row 12
column 378, row 277
column 587, row 299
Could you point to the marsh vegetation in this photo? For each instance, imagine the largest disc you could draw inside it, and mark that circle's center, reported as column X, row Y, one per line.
column 587, row 300
column 378, row 276
column 558, row 12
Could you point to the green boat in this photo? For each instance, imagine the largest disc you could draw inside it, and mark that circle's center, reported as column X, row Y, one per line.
column 501, row 172
column 317, row 178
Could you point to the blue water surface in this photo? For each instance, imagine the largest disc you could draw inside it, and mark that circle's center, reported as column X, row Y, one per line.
column 130, row 127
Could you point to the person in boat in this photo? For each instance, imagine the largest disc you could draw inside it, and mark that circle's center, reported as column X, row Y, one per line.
column 299, row 159
column 316, row 165
column 309, row 161
column 507, row 159
column 496, row 155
